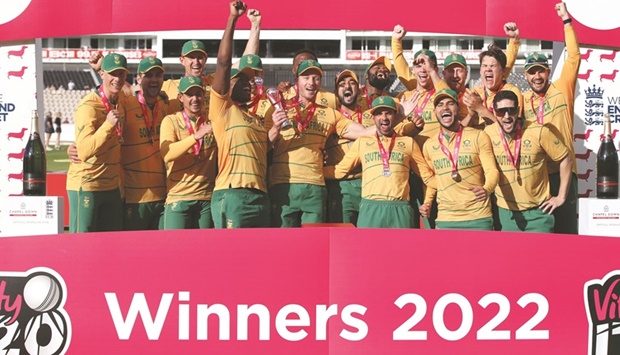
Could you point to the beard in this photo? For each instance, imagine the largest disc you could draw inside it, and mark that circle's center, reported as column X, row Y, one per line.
column 378, row 83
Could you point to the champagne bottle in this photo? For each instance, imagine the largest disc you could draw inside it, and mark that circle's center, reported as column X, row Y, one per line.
column 34, row 161
column 607, row 164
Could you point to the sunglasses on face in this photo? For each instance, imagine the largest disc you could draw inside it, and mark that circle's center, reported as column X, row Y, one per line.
column 507, row 110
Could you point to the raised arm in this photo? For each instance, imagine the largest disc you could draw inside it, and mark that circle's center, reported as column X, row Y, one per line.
column 253, row 44
column 400, row 63
column 512, row 31
column 221, row 83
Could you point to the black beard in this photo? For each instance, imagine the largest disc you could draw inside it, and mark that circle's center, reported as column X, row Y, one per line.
column 378, row 83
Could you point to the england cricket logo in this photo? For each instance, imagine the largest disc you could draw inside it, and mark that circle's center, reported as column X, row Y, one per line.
column 594, row 106
column 602, row 301
column 32, row 318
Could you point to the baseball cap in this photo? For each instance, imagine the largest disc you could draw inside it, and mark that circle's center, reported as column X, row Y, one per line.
column 188, row 82
column 431, row 55
column 251, row 61
column 249, row 72
column 193, row 46
column 149, row 63
column 307, row 65
column 455, row 58
column 536, row 60
column 381, row 60
column 344, row 74
column 383, row 101
column 114, row 61
column 443, row 93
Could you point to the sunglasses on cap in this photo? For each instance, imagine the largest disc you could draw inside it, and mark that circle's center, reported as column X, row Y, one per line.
column 507, row 110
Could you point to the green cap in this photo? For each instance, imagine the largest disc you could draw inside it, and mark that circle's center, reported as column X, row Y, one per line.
column 536, row 60
column 431, row 55
column 149, row 63
column 383, row 101
column 249, row 72
column 443, row 93
column 307, row 65
column 455, row 58
column 193, row 46
column 381, row 60
column 251, row 61
column 114, row 61
column 188, row 82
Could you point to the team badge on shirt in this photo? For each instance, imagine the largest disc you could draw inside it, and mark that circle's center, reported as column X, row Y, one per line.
column 401, row 145
column 527, row 144
column 467, row 143
column 324, row 101
column 86, row 202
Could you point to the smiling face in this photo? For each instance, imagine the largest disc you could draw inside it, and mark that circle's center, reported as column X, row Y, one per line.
column 384, row 120
column 505, row 112
column 113, row 82
column 538, row 78
column 192, row 100
column 309, row 84
column 421, row 74
column 492, row 73
column 241, row 88
column 455, row 76
column 446, row 111
column 151, row 82
column 194, row 63
column 347, row 91
column 378, row 76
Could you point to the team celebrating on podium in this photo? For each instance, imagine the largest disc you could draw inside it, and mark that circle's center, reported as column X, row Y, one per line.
column 222, row 151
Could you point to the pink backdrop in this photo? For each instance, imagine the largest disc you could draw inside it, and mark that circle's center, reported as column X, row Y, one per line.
column 322, row 266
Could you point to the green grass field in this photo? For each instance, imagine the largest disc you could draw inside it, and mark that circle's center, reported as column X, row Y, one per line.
column 57, row 160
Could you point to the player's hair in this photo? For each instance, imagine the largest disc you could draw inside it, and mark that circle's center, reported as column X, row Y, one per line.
column 305, row 50
column 494, row 51
column 505, row 95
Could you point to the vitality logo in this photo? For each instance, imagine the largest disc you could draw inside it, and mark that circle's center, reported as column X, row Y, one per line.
column 32, row 318
column 602, row 300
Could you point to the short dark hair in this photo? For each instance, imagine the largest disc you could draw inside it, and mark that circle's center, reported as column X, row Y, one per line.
column 305, row 50
column 505, row 95
column 494, row 51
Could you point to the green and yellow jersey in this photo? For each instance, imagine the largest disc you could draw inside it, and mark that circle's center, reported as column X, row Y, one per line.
column 98, row 144
column 404, row 157
column 242, row 145
column 559, row 100
column 144, row 173
column 526, row 186
column 488, row 95
column 297, row 154
column 476, row 167
column 190, row 177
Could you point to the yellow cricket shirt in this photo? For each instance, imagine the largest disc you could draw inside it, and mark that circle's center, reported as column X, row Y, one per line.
column 559, row 100
column 298, row 157
column 476, row 166
column 144, row 172
column 490, row 95
column 242, row 145
column 97, row 144
column 404, row 157
column 189, row 177
column 527, row 186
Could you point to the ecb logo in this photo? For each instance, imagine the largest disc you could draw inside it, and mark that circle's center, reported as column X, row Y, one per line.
column 594, row 106
column 32, row 318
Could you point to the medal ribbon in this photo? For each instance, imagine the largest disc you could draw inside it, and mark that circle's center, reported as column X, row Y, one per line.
column 149, row 124
column 514, row 159
column 199, row 123
column 490, row 108
column 358, row 111
column 419, row 109
column 368, row 99
column 454, row 157
column 541, row 108
column 108, row 108
column 253, row 103
column 385, row 155
column 302, row 125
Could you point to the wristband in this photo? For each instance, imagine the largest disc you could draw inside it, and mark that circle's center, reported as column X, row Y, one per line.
column 568, row 20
